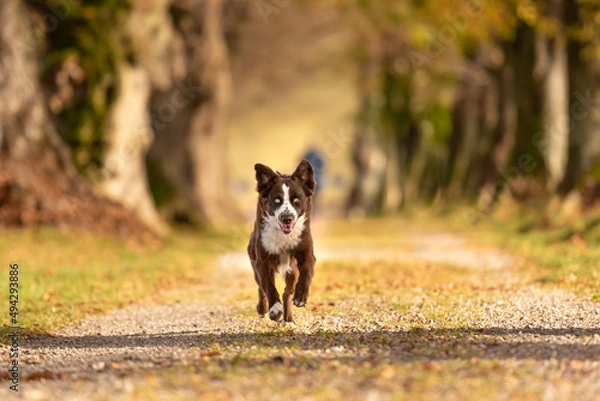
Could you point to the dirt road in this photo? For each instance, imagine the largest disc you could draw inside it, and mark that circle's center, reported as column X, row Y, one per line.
column 433, row 319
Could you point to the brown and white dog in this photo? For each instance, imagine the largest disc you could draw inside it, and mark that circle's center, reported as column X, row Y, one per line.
column 281, row 241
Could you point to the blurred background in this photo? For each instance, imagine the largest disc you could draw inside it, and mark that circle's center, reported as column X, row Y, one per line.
column 118, row 112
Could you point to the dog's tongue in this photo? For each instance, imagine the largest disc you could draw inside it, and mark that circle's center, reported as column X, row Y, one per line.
column 287, row 228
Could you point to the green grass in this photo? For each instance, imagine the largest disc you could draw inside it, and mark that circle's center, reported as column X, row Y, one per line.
column 375, row 328
column 403, row 329
column 64, row 277
column 558, row 251
column 566, row 250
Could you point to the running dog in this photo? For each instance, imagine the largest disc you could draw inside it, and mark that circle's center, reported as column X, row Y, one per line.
column 281, row 241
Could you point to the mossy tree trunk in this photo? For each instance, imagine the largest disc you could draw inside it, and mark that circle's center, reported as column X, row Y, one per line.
column 191, row 142
column 128, row 138
column 38, row 182
column 584, row 113
column 154, row 63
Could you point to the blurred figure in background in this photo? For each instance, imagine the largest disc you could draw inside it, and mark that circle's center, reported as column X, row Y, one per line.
column 315, row 157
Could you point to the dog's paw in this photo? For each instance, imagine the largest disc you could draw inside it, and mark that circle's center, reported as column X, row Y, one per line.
column 261, row 310
column 276, row 311
column 300, row 297
column 300, row 302
column 291, row 325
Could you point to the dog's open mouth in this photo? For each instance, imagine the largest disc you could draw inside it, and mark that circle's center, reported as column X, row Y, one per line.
column 287, row 228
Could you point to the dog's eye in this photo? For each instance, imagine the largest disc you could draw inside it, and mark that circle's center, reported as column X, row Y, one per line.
column 278, row 201
column 296, row 201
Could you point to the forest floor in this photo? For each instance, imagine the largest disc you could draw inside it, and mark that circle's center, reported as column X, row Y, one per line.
column 398, row 310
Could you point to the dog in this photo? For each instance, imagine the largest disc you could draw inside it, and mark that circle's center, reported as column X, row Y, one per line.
column 281, row 241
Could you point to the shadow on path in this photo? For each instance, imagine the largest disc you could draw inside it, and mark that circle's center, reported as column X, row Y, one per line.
column 415, row 344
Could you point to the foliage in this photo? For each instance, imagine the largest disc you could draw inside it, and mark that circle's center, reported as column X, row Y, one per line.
column 564, row 249
column 380, row 324
column 425, row 50
column 79, row 67
column 64, row 277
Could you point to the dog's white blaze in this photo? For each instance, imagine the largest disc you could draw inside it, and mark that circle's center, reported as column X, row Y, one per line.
column 276, row 309
column 274, row 240
column 284, row 267
column 286, row 206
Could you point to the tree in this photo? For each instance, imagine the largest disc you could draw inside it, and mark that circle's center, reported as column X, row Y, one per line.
column 153, row 82
column 553, row 67
column 154, row 63
column 38, row 182
column 191, row 148
column 584, row 90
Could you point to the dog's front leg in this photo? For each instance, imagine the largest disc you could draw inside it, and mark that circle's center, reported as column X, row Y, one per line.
column 306, row 265
column 291, row 279
column 267, row 285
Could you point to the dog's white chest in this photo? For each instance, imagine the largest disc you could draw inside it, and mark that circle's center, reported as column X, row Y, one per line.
column 284, row 268
column 275, row 241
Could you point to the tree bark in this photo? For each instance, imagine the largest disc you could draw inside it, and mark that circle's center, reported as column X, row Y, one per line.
column 369, row 160
column 158, row 60
column 496, row 166
column 369, row 157
column 466, row 134
column 191, row 149
column 584, row 90
column 553, row 61
column 128, row 139
column 38, row 183
column 208, row 136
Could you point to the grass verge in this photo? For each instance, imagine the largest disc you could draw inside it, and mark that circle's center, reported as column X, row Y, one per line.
column 565, row 250
column 64, row 277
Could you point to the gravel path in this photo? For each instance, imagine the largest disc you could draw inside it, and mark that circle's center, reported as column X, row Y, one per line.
column 549, row 334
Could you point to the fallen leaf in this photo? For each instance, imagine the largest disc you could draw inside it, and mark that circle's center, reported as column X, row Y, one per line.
column 387, row 373
column 210, row 354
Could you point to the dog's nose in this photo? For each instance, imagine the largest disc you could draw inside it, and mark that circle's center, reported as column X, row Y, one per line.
column 287, row 218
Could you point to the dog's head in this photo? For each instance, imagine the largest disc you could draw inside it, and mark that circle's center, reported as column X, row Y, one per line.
column 287, row 198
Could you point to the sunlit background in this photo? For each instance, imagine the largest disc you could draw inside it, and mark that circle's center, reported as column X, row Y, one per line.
column 456, row 223
column 164, row 106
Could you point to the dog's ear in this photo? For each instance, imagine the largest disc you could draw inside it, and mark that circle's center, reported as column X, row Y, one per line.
column 306, row 175
column 265, row 177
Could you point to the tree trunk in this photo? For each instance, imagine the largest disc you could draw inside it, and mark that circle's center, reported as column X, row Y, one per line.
column 504, row 138
column 24, row 122
column 369, row 160
column 553, row 62
column 584, row 90
column 530, row 139
column 368, row 153
column 128, row 139
column 191, row 148
column 463, row 142
column 208, row 136
column 158, row 60
column 394, row 195
column 38, row 183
